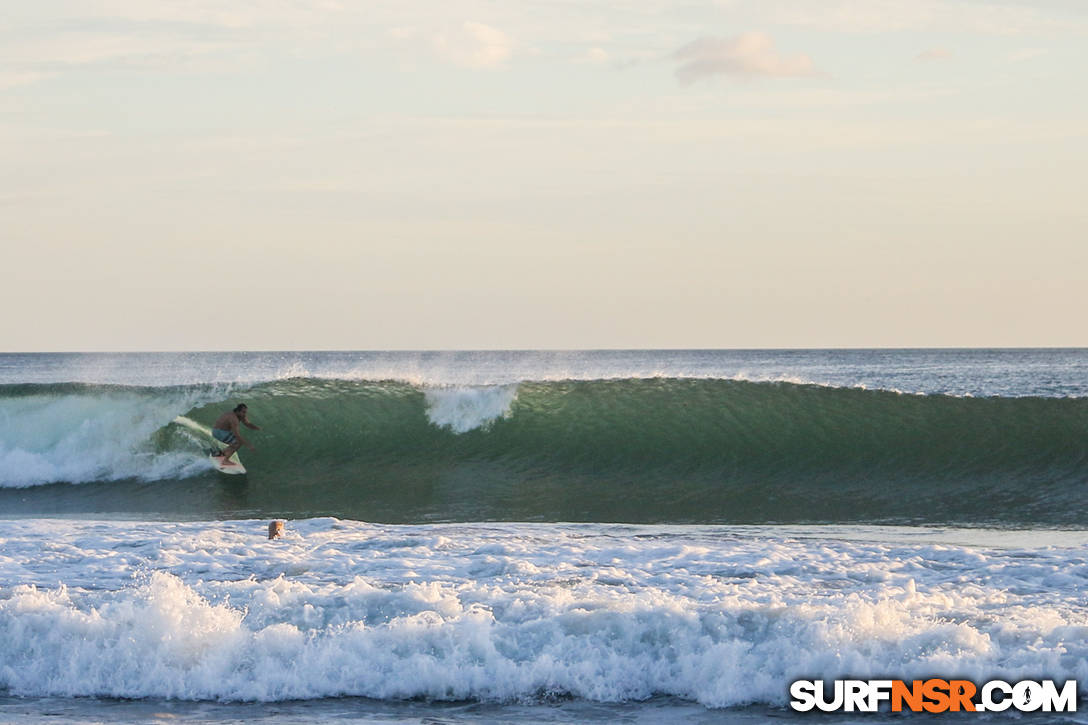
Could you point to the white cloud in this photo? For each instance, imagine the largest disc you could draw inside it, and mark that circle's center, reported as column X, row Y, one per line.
column 474, row 45
column 994, row 17
column 797, row 99
column 933, row 54
column 233, row 15
column 748, row 55
column 1027, row 54
column 11, row 79
column 595, row 55
column 201, row 35
column 94, row 48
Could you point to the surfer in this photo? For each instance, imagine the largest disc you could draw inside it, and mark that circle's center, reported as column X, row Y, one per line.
column 226, row 431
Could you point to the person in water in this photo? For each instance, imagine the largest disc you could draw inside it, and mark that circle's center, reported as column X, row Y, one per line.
column 226, row 431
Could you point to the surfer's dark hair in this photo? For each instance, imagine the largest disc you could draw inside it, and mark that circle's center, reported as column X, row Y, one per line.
column 240, row 407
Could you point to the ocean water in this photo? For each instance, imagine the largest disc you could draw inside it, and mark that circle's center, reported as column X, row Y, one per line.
column 645, row 536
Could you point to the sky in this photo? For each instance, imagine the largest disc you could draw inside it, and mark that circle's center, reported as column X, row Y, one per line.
column 524, row 174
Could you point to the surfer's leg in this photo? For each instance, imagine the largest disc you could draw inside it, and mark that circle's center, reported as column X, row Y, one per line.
column 231, row 449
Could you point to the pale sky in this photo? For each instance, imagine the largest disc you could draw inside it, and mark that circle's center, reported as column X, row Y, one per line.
column 457, row 174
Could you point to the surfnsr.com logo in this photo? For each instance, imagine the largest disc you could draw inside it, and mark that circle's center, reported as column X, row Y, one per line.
column 933, row 695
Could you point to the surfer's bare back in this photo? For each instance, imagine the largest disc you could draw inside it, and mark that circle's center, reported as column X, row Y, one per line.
column 225, row 429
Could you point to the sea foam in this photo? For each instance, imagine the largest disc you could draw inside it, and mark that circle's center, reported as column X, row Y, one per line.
column 517, row 613
column 78, row 437
column 464, row 408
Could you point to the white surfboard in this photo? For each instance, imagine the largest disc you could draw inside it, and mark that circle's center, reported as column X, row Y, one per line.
column 232, row 465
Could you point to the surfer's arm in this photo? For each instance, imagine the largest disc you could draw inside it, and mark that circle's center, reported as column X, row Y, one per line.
column 235, row 431
column 244, row 419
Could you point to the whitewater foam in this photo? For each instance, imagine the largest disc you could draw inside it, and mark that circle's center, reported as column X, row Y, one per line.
column 78, row 437
column 462, row 409
column 516, row 612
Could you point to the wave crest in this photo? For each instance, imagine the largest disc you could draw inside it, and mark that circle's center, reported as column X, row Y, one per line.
column 461, row 409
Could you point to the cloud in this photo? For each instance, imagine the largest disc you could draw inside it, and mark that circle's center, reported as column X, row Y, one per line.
column 35, row 57
column 474, row 45
column 16, row 78
column 595, row 55
column 238, row 14
column 749, row 55
column 1027, row 54
column 934, row 54
column 993, row 17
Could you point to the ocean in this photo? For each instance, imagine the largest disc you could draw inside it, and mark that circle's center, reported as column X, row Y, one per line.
column 588, row 536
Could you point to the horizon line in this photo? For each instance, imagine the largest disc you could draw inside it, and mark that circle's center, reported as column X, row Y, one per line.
column 547, row 349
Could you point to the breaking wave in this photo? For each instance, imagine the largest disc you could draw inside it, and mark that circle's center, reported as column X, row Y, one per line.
column 636, row 450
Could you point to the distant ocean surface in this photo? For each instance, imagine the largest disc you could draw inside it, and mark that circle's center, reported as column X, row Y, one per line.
column 536, row 536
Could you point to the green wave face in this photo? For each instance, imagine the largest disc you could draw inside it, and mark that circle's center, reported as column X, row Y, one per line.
column 628, row 450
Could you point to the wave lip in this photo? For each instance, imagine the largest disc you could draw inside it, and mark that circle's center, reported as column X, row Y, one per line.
column 461, row 409
column 79, row 434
